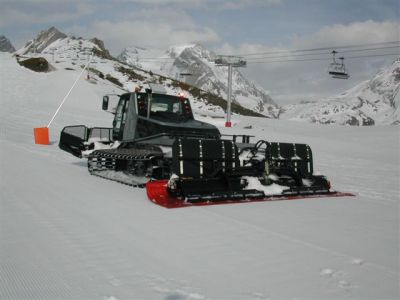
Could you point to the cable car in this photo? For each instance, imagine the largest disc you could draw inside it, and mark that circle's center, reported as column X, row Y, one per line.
column 338, row 70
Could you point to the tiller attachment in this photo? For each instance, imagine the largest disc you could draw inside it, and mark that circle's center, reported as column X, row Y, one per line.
column 215, row 172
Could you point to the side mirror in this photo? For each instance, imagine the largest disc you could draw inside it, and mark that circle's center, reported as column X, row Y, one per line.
column 105, row 103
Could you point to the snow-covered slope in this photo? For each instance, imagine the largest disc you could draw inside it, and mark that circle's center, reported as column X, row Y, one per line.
column 66, row 234
column 374, row 101
column 195, row 65
column 5, row 44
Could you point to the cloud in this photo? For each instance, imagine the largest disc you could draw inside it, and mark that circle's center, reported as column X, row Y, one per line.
column 163, row 2
column 353, row 33
column 240, row 4
column 367, row 32
column 147, row 34
column 151, row 23
column 19, row 13
column 205, row 4
column 175, row 17
column 157, row 28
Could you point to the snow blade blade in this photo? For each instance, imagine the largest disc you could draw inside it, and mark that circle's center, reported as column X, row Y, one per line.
column 157, row 192
column 73, row 138
column 77, row 138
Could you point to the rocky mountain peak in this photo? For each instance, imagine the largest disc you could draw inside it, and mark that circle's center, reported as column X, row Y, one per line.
column 43, row 40
column 5, row 45
column 199, row 50
column 372, row 102
column 194, row 65
column 387, row 83
column 199, row 62
column 102, row 51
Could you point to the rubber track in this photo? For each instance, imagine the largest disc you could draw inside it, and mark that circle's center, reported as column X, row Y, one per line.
column 138, row 185
column 103, row 160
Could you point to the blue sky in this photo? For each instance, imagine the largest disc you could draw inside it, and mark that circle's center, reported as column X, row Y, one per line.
column 227, row 27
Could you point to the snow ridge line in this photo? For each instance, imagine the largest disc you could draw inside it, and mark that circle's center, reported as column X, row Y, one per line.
column 304, row 243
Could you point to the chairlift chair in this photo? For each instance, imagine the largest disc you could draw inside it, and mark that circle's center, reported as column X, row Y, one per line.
column 338, row 70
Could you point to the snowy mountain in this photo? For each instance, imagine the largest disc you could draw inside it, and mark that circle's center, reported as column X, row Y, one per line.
column 5, row 44
column 372, row 102
column 42, row 41
column 194, row 65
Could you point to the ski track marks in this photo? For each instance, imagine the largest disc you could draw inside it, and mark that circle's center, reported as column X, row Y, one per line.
column 347, row 281
column 355, row 261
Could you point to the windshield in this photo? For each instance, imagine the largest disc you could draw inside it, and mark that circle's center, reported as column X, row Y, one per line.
column 167, row 108
column 166, row 104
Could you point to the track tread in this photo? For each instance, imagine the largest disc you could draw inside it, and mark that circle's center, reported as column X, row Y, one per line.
column 105, row 160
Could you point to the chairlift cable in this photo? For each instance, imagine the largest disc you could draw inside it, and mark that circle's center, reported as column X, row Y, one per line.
column 319, row 49
column 288, row 52
column 322, row 59
column 322, row 53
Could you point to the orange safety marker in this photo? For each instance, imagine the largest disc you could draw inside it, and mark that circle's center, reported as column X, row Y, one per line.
column 41, row 135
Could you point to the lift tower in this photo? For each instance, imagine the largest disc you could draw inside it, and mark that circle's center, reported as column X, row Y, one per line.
column 230, row 62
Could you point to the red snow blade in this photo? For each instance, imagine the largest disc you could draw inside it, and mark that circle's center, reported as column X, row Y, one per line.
column 157, row 192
